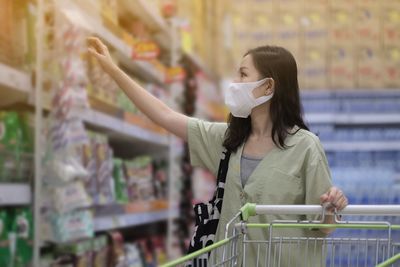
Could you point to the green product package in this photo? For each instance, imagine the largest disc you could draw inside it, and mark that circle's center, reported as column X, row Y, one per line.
column 5, row 255
column 22, row 226
column 121, row 192
column 10, row 140
column 15, row 146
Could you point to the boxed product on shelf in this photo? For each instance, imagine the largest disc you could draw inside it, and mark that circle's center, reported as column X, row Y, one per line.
column 5, row 253
column 22, row 226
column 341, row 24
column 101, row 87
column 109, row 10
column 160, row 179
column 133, row 256
column 70, row 197
column 391, row 23
column 391, row 69
column 368, row 24
column 315, row 25
column 121, row 192
column 79, row 253
column 61, row 228
column 100, row 251
column 16, row 237
column 315, row 67
column 16, row 146
column 341, row 67
column 104, row 168
column 12, row 33
column 117, row 252
column 87, row 152
column 369, row 67
column 139, row 178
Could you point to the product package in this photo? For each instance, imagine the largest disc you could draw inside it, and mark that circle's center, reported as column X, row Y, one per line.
column 87, row 152
column 104, row 164
column 16, row 162
column 117, row 252
column 100, row 251
column 139, row 177
column 80, row 254
column 121, row 192
column 5, row 254
column 70, row 197
column 22, row 227
column 71, row 226
column 133, row 256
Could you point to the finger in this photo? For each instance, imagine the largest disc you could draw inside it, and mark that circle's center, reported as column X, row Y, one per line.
column 94, row 53
column 323, row 198
column 332, row 194
column 97, row 44
column 342, row 203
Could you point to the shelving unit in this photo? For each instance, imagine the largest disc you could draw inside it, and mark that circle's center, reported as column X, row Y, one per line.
column 15, row 85
column 362, row 146
column 119, row 128
column 124, row 51
column 12, row 194
column 105, row 223
column 353, row 119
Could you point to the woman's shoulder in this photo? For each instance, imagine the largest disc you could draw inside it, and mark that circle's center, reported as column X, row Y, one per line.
column 305, row 139
column 215, row 128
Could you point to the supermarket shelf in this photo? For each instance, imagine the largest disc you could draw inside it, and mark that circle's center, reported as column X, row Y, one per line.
column 361, row 146
column 105, row 223
column 140, row 68
column 200, row 65
column 390, row 118
column 383, row 92
column 15, row 85
column 15, row 194
column 122, row 128
column 146, row 12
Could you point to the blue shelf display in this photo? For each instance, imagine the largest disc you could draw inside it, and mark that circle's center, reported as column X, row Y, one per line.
column 360, row 132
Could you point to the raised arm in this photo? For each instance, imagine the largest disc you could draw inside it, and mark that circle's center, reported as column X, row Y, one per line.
column 152, row 107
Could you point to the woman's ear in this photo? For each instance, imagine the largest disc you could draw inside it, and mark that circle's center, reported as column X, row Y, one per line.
column 270, row 86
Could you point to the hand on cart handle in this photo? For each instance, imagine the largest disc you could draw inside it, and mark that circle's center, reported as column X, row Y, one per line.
column 100, row 51
column 336, row 198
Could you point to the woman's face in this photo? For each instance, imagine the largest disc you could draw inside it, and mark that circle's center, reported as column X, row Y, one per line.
column 247, row 72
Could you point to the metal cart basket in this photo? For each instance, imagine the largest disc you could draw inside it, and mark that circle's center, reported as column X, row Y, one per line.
column 371, row 240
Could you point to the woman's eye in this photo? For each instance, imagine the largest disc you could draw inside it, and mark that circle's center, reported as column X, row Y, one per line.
column 242, row 74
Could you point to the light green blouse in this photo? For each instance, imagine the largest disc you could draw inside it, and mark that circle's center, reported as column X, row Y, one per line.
column 298, row 174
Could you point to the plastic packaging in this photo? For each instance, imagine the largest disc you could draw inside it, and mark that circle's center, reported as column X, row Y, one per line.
column 121, row 193
column 70, row 197
column 5, row 256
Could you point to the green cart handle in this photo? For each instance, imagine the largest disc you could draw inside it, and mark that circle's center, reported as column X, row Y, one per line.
column 248, row 210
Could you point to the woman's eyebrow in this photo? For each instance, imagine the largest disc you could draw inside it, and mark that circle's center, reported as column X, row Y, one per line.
column 242, row 68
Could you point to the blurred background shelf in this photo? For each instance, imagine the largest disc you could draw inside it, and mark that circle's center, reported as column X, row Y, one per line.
column 15, row 194
column 15, row 85
column 124, row 51
column 365, row 146
column 105, row 223
column 353, row 119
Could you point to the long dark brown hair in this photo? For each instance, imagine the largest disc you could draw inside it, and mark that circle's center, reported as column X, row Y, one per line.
column 286, row 111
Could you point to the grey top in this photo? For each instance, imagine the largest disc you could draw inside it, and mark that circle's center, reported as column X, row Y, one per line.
column 247, row 166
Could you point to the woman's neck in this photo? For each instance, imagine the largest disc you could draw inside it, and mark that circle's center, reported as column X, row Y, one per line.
column 261, row 123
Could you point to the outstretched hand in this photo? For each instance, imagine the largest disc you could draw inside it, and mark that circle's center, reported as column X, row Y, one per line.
column 100, row 51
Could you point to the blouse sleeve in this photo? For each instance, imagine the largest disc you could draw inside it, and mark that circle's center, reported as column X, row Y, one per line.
column 317, row 178
column 205, row 143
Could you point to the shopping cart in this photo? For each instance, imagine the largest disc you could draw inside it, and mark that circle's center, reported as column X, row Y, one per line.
column 348, row 246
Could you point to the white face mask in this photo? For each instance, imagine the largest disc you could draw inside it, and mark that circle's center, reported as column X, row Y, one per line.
column 240, row 99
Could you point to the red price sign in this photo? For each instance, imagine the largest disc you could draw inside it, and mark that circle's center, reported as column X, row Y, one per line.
column 175, row 74
column 145, row 50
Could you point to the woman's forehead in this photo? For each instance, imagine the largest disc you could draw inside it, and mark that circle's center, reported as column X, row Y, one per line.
column 247, row 62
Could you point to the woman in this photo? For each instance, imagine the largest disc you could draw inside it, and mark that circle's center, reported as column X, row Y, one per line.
column 275, row 158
